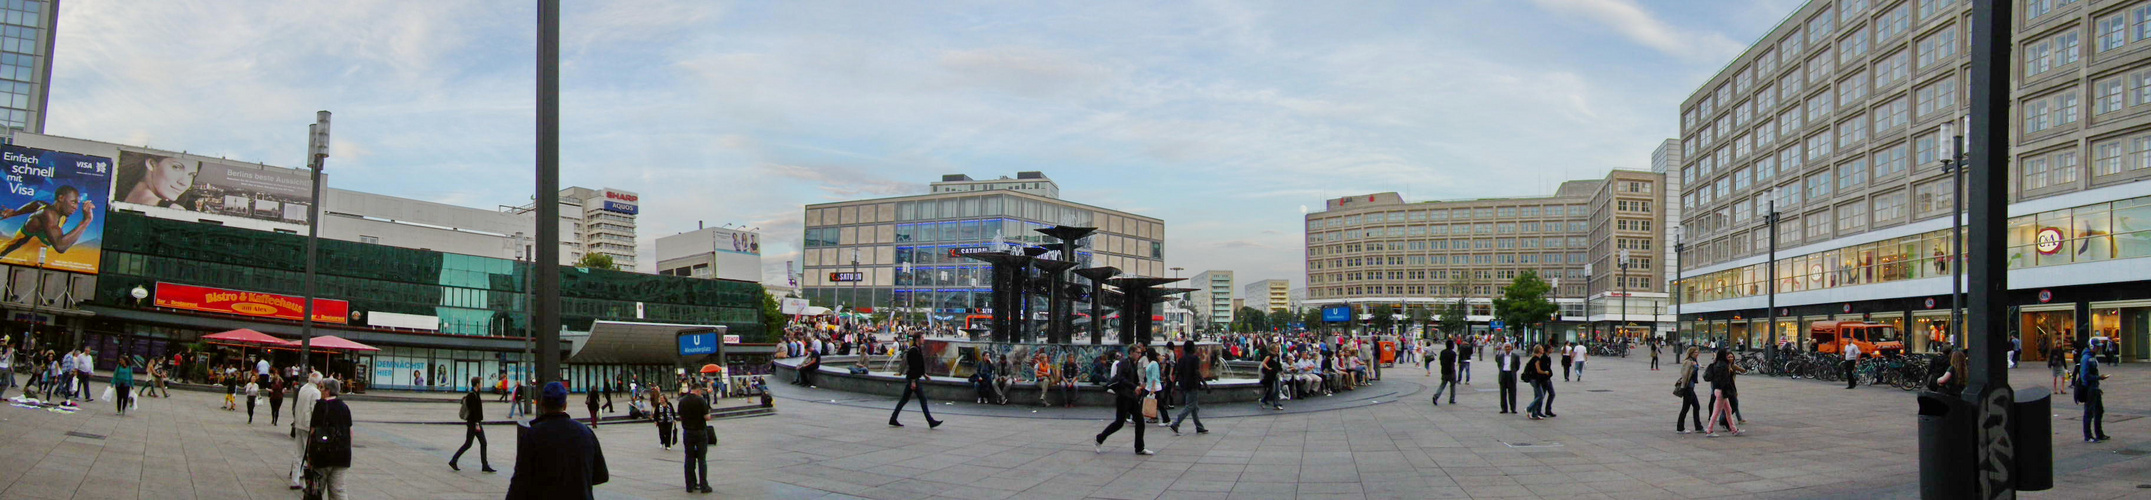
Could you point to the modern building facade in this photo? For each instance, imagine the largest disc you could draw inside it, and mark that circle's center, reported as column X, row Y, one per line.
column 1624, row 272
column 602, row 222
column 26, row 43
column 1831, row 120
column 1373, row 250
column 712, row 252
column 906, row 251
column 1212, row 299
column 1269, row 295
column 446, row 317
column 403, row 222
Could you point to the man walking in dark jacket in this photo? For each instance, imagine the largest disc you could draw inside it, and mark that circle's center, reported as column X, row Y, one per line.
column 329, row 445
column 695, row 417
column 1508, row 362
column 1187, row 371
column 1128, row 403
column 1448, row 374
column 914, row 369
column 556, row 456
column 473, row 429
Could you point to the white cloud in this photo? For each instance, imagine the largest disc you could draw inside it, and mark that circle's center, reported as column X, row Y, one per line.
column 1631, row 21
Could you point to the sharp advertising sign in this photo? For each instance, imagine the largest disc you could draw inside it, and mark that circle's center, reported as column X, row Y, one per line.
column 152, row 181
column 622, row 202
column 51, row 213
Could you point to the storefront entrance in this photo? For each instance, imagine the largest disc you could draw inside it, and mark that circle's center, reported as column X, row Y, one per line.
column 2126, row 322
column 2040, row 327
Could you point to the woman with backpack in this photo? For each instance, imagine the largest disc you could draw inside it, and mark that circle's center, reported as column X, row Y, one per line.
column 1720, row 375
column 1685, row 388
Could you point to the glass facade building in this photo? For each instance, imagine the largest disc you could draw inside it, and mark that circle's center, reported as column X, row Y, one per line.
column 1832, row 121
column 480, row 302
column 907, row 252
column 26, row 41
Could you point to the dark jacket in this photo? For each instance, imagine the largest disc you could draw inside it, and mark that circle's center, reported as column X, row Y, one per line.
column 556, row 457
column 331, row 416
column 694, row 412
column 473, row 412
column 590, row 397
column 1448, row 365
column 663, row 414
column 914, row 363
column 1125, row 379
column 1187, row 371
column 1515, row 362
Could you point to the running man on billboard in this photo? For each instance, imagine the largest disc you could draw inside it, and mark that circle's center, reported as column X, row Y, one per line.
column 46, row 222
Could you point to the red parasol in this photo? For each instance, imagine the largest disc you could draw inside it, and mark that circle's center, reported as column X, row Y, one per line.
column 711, row 369
column 335, row 343
column 246, row 337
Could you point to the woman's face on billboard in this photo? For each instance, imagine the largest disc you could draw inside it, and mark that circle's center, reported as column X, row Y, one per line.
column 168, row 177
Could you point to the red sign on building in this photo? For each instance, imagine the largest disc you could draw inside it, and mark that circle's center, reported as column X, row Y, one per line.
column 244, row 303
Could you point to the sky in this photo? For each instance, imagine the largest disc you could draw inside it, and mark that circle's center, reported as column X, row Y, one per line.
column 1225, row 119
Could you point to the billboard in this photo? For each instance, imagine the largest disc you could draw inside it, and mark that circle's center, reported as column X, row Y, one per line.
column 620, row 201
column 244, row 303
column 1336, row 314
column 625, row 208
column 743, row 242
column 50, row 213
column 846, row 276
column 270, row 194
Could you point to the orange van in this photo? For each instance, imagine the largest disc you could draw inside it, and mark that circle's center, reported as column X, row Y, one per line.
column 1873, row 338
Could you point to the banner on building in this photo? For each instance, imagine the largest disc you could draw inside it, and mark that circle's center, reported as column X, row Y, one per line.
column 52, row 211
column 245, row 303
column 160, row 181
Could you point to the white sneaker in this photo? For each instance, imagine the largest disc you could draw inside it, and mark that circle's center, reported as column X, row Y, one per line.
column 1145, row 452
column 1098, row 448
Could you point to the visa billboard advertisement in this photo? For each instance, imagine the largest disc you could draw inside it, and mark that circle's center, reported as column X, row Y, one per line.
column 52, row 213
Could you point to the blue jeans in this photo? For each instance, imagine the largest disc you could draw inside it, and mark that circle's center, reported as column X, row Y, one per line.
column 1579, row 370
column 1192, row 406
column 2094, row 413
column 1538, row 398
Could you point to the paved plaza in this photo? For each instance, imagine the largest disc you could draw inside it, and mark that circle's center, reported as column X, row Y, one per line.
column 1613, row 440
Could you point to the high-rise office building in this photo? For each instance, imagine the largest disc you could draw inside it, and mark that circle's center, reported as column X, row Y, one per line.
column 26, row 43
column 712, row 252
column 1832, row 120
column 1212, row 298
column 1374, row 250
column 1268, row 295
column 856, row 253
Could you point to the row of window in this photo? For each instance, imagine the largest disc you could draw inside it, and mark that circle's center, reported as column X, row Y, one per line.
column 1449, row 214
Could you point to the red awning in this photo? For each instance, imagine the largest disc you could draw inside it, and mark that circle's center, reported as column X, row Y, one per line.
column 335, row 343
column 246, row 337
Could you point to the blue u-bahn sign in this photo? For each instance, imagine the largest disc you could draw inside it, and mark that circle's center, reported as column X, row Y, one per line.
column 699, row 344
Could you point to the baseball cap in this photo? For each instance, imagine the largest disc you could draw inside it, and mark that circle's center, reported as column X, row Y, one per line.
column 556, row 394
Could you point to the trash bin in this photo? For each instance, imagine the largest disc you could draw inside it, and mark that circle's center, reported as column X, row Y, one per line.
column 2031, row 428
column 1945, row 446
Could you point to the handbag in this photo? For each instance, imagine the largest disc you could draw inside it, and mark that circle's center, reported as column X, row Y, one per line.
column 1150, row 407
column 709, row 436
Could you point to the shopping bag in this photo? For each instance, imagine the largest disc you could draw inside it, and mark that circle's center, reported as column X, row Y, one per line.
column 134, row 399
column 1150, row 407
column 107, row 396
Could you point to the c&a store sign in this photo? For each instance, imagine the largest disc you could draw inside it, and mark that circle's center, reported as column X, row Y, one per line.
column 245, row 303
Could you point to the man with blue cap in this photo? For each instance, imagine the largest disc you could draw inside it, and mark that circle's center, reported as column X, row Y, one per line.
column 556, row 456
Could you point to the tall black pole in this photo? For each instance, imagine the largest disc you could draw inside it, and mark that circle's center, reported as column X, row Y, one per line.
column 1771, row 266
column 1989, row 213
column 317, row 157
column 547, row 263
column 1956, row 238
column 1680, row 286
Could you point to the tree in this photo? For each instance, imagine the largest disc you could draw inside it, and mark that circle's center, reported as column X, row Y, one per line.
column 1523, row 302
column 1281, row 319
column 1453, row 314
column 597, row 261
column 772, row 318
column 1249, row 319
column 1382, row 319
column 1424, row 319
column 1313, row 318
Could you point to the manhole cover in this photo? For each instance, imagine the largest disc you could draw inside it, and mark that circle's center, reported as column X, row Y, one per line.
column 1598, row 390
column 83, row 435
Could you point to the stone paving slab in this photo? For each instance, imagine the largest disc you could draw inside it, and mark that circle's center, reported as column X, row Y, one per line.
column 1809, row 440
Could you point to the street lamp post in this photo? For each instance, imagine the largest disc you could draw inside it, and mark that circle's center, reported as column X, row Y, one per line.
column 317, row 152
column 856, row 277
column 1770, row 266
column 1680, row 287
column 1589, row 326
column 1623, row 263
column 1953, row 163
